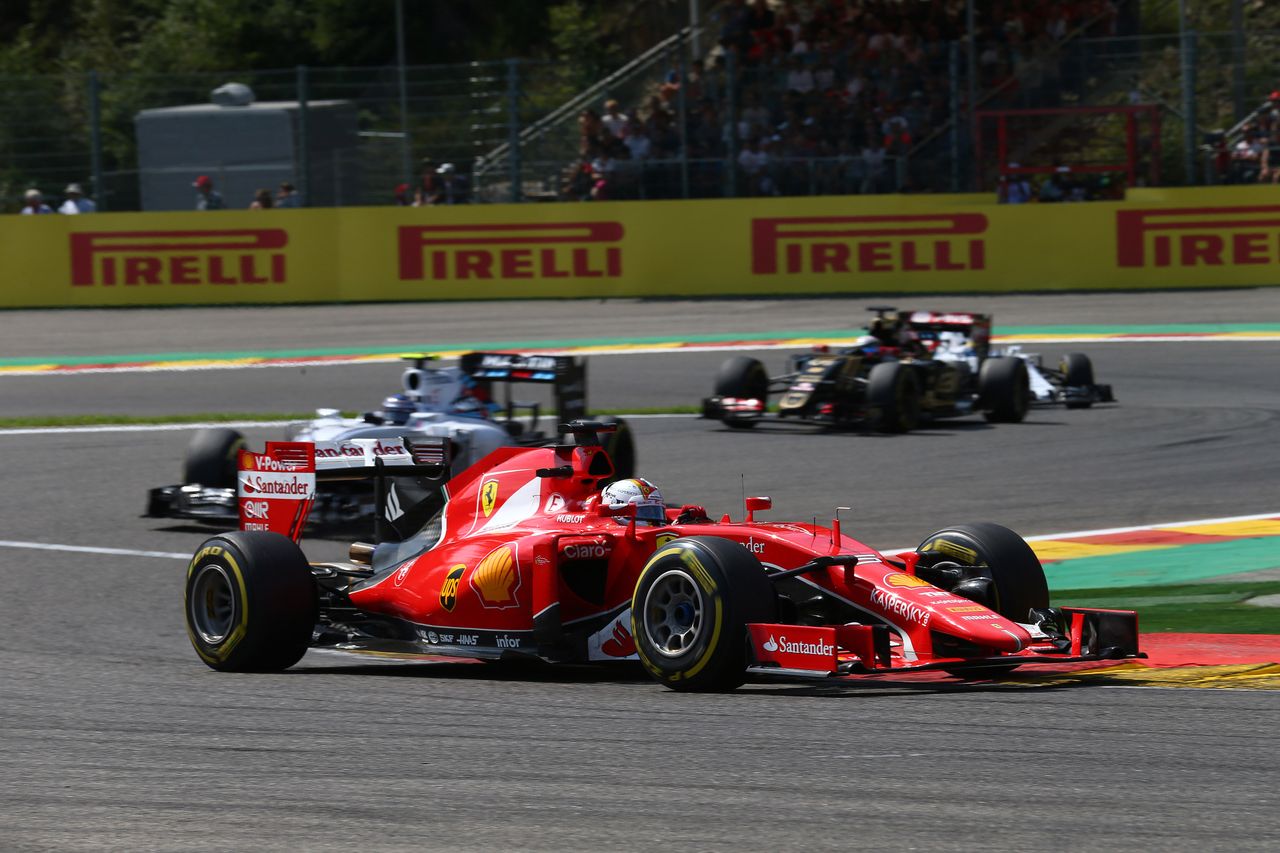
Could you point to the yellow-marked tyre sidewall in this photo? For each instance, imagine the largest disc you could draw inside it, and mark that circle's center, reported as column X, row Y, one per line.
column 734, row 591
column 686, row 668
column 275, row 601
column 218, row 552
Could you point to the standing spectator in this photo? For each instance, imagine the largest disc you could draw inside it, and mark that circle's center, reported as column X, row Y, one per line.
column 428, row 185
column 453, row 187
column 34, row 202
column 613, row 120
column 403, row 199
column 636, row 138
column 207, row 198
column 76, row 202
column 755, row 166
column 288, row 196
column 261, row 200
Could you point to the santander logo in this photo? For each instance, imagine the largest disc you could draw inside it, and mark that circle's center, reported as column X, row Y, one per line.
column 770, row 645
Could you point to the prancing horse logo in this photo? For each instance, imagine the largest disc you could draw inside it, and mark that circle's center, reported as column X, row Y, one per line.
column 488, row 496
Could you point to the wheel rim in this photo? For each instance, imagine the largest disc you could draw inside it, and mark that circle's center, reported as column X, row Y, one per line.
column 212, row 605
column 673, row 613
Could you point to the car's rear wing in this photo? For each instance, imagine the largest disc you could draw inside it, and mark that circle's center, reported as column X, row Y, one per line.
column 567, row 376
column 975, row 327
column 276, row 489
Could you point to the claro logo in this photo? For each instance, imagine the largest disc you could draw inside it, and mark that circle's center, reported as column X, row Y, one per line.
column 1198, row 236
column 542, row 250
column 944, row 242
column 245, row 256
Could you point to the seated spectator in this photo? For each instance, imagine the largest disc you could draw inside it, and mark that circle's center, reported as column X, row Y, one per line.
column 636, row 138
column 288, row 196
column 207, row 198
column 428, row 184
column 76, row 202
column 613, row 119
column 33, row 202
column 754, row 163
column 402, row 196
column 261, row 200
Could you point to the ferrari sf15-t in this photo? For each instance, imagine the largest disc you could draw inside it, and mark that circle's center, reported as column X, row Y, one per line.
column 523, row 556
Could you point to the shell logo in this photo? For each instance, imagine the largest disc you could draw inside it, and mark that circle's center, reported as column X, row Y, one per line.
column 496, row 579
column 902, row 579
column 488, row 496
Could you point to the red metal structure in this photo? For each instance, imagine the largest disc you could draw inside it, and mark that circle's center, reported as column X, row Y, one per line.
column 1133, row 115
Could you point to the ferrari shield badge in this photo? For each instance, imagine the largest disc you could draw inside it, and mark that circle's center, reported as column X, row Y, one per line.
column 488, row 496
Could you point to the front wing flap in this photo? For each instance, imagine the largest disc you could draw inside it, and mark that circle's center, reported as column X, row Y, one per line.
column 833, row 650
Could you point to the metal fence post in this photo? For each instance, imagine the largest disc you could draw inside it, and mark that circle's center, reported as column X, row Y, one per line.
column 731, row 167
column 953, row 67
column 304, row 143
column 513, row 129
column 1189, row 130
column 95, row 139
column 682, row 107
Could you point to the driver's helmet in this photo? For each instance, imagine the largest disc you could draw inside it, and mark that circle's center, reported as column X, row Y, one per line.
column 868, row 343
column 396, row 409
column 642, row 493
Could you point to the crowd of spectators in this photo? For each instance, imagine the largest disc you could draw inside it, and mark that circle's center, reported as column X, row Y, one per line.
column 822, row 95
column 1254, row 155
column 74, row 201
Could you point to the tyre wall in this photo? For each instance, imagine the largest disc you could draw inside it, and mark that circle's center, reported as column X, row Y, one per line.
column 1209, row 237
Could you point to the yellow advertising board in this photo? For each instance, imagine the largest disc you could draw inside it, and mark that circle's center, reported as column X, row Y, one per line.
column 1208, row 237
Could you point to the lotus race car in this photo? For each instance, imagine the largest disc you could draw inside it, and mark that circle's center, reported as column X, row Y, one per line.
column 521, row 557
column 911, row 367
column 452, row 402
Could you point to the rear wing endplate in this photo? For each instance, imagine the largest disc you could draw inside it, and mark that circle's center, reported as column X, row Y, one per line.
column 276, row 489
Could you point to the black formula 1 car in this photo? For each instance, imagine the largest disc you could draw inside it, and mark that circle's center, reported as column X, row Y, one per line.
column 911, row 367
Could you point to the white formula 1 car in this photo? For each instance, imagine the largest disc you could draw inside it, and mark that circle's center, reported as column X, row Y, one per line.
column 456, row 403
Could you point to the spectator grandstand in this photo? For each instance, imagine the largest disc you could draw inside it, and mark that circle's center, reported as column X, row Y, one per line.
column 786, row 97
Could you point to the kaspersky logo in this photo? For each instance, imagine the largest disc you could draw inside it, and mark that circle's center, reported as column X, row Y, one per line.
column 246, row 256
column 1198, row 236
column 534, row 251
column 944, row 242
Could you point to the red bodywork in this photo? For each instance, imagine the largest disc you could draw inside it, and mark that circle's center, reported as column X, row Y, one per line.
column 528, row 562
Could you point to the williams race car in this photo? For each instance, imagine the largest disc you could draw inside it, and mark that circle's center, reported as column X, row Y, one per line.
column 457, row 403
column 909, row 368
column 526, row 556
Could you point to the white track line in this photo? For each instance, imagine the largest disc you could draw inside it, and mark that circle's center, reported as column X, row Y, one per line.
column 85, row 549
column 127, row 552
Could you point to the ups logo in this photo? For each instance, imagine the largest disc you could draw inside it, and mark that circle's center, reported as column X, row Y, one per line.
column 449, row 592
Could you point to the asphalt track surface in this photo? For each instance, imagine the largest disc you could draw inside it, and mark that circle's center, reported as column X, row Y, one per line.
column 116, row 736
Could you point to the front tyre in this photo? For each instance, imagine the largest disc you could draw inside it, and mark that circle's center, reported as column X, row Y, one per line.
column 1004, row 389
column 1077, row 372
column 213, row 458
column 743, row 378
column 894, row 390
column 689, row 613
column 250, row 602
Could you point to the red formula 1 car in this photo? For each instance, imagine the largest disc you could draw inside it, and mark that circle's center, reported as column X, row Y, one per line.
column 523, row 557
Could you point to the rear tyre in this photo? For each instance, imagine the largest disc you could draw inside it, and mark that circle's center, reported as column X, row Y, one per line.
column 1000, row 555
column 1077, row 372
column 621, row 447
column 212, row 458
column 745, row 378
column 250, row 602
column 1004, row 389
column 894, row 389
column 690, row 610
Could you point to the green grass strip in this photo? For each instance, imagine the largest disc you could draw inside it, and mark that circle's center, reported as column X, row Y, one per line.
column 1200, row 608
column 571, row 343
column 1160, row 567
